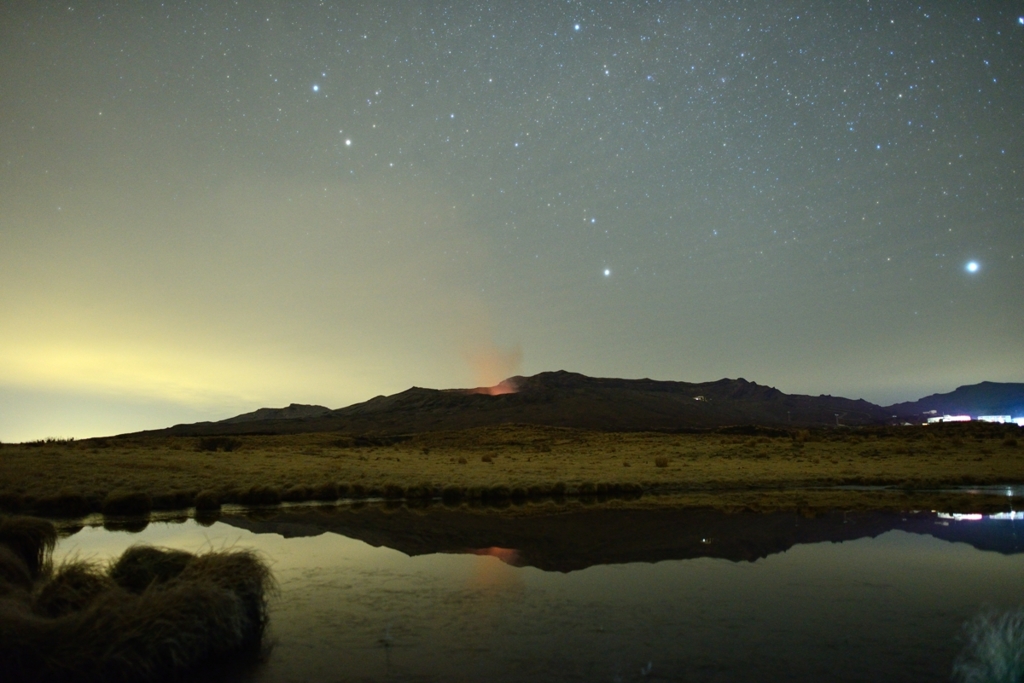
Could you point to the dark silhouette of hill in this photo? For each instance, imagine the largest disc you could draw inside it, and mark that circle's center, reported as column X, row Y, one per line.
column 579, row 539
column 562, row 399
column 985, row 398
column 293, row 411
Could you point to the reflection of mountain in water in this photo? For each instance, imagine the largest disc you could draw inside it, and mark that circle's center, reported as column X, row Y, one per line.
column 571, row 540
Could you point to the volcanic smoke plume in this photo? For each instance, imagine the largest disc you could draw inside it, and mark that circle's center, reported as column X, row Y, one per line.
column 492, row 365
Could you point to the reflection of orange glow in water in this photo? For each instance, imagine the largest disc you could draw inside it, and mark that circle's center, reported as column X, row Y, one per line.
column 503, row 387
column 492, row 577
column 506, row 555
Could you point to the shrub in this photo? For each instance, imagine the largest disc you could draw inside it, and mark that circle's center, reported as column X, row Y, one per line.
column 661, row 461
column 462, row 461
column 486, row 458
column 120, row 502
column 1009, row 442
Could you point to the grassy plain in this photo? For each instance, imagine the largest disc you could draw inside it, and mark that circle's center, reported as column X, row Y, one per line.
column 132, row 473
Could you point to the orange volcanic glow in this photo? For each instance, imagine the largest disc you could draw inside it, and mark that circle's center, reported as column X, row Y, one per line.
column 506, row 386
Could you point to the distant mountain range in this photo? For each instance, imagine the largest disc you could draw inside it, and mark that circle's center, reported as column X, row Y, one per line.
column 986, row 398
column 567, row 399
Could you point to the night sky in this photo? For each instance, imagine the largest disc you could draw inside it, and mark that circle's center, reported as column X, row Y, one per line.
column 210, row 207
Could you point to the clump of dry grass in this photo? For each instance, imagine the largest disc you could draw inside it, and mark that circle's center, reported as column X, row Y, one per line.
column 154, row 614
column 71, row 589
column 66, row 503
column 260, row 495
column 325, row 492
column 31, row 540
column 207, row 500
column 119, row 502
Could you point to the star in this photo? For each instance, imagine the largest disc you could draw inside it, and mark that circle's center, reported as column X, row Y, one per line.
column 316, row 88
column 972, row 267
column 607, row 272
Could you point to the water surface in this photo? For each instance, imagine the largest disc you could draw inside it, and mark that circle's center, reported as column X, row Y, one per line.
column 668, row 595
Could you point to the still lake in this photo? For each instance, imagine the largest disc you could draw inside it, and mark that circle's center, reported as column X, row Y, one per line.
column 370, row 593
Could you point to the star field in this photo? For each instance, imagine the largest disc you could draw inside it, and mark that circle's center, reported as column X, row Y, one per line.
column 356, row 197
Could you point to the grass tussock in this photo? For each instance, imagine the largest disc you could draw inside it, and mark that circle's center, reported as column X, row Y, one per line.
column 152, row 615
column 31, row 540
column 66, row 503
column 207, row 501
column 995, row 649
column 120, row 502
column 260, row 495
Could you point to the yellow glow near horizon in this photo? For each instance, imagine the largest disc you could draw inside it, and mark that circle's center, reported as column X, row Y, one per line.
column 171, row 373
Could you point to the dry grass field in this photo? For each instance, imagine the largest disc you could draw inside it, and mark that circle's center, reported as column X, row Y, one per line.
column 137, row 473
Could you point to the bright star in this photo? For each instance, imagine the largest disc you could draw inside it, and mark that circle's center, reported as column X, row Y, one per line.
column 972, row 267
column 607, row 272
column 316, row 88
column 348, row 143
column 576, row 27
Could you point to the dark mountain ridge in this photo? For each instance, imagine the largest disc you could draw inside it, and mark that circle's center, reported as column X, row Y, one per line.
column 568, row 399
column 984, row 398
